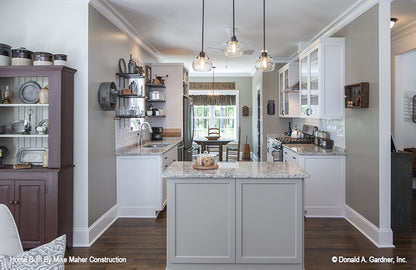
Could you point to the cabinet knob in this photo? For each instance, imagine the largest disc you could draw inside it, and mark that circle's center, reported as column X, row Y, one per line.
column 16, row 202
column 11, row 202
column 294, row 157
column 174, row 160
column 166, row 157
column 166, row 166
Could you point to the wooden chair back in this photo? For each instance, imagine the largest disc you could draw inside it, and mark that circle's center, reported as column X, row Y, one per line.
column 213, row 132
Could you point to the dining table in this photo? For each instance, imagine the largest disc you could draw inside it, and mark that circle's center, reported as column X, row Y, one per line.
column 218, row 142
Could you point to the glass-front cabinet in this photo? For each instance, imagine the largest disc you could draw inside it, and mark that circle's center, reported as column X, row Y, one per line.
column 289, row 90
column 322, row 79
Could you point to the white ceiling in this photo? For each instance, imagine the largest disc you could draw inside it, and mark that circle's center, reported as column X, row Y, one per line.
column 172, row 28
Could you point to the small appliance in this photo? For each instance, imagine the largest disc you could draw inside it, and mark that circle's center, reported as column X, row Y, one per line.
column 157, row 133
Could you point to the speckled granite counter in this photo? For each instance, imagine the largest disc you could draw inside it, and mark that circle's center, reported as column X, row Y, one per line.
column 137, row 150
column 237, row 170
column 311, row 149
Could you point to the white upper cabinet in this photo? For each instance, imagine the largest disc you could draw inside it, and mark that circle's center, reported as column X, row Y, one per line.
column 289, row 90
column 322, row 79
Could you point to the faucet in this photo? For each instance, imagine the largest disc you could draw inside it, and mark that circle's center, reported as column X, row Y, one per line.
column 141, row 131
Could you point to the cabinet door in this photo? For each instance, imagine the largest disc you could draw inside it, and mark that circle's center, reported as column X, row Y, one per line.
column 314, row 84
column 281, row 95
column 7, row 194
column 30, row 211
column 304, row 85
column 201, row 227
column 269, row 221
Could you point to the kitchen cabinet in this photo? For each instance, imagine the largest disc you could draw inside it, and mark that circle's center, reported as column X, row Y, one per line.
column 322, row 79
column 141, row 189
column 33, row 200
column 235, row 223
column 40, row 199
column 325, row 189
column 289, row 90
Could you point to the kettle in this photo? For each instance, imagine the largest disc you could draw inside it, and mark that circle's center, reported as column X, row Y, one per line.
column 295, row 133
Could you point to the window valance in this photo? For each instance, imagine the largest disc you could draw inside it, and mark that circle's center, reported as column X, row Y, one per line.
column 215, row 100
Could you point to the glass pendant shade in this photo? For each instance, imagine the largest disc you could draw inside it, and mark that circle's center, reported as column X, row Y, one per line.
column 202, row 63
column 265, row 62
column 233, row 48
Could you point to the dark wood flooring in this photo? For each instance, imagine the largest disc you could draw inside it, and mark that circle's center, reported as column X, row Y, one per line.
column 143, row 243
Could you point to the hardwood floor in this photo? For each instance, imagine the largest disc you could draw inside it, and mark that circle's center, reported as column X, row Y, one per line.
column 143, row 243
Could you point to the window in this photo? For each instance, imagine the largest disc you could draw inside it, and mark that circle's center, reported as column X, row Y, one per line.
column 222, row 117
column 219, row 115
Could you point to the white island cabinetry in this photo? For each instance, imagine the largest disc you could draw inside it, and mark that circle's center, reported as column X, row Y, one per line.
column 247, row 217
column 141, row 189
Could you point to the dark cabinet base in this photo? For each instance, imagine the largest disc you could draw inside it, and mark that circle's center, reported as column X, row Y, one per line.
column 41, row 202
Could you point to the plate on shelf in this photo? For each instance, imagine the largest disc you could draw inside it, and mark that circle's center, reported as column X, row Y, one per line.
column 17, row 127
column 28, row 154
column 29, row 92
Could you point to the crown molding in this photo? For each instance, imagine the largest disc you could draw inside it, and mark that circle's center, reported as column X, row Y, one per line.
column 118, row 20
column 407, row 30
column 345, row 18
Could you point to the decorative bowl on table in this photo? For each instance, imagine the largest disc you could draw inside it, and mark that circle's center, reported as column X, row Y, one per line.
column 212, row 137
column 205, row 161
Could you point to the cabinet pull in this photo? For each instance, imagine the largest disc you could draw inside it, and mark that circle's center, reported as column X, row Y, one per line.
column 286, row 153
column 166, row 157
column 15, row 202
column 174, row 160
column 166, row 166
column 294, row 157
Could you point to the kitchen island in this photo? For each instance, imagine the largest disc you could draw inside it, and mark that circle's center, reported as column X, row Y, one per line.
column 243, row 215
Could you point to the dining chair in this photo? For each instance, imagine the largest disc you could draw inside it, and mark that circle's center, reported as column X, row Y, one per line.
column 231, row 149
column 213, row 132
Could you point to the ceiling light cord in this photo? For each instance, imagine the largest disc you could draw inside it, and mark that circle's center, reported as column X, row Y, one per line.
column 203, row 21
column 264, row 25
column 233, row 18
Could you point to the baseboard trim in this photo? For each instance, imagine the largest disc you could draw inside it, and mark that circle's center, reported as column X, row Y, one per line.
column 102, row 224
column 381, row 238
column 137, row 212
column 324, row 212
column 80, row 237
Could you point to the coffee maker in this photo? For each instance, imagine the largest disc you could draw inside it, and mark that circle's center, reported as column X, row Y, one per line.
column 157, row 133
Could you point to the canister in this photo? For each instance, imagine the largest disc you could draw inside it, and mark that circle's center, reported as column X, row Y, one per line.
column 22, row 57
column 43, row 59
column 59, row 59
column 5, row 55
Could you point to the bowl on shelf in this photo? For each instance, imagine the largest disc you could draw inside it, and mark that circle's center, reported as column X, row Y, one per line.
column 212, row 137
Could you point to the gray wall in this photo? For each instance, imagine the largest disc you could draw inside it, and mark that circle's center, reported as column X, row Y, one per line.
column 106, row 45
column 362, row 125
column 244, row 85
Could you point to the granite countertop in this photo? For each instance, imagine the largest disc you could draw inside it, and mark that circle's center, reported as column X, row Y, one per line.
column 312, row 149
column 136, row 150
column 237, row 170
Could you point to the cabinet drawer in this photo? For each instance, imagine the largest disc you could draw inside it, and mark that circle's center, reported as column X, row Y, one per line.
column 169, row 157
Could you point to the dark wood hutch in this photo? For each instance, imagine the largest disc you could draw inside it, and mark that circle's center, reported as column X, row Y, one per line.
column 40, row 199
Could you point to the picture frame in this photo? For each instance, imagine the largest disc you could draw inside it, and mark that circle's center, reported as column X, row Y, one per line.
column 148, row 74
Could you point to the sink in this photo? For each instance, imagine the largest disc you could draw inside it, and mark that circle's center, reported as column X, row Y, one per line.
column 156, row 145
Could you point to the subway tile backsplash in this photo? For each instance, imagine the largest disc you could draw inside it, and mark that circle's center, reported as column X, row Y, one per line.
column 336, row 128
column 124, row 136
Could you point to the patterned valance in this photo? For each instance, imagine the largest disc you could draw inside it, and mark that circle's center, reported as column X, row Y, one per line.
column 215, row 100
column 208, row 86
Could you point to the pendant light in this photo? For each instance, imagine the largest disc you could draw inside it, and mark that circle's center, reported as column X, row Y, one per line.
column 213, row 83
column 202, row 62
column 233, row 48
column 265, row 61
